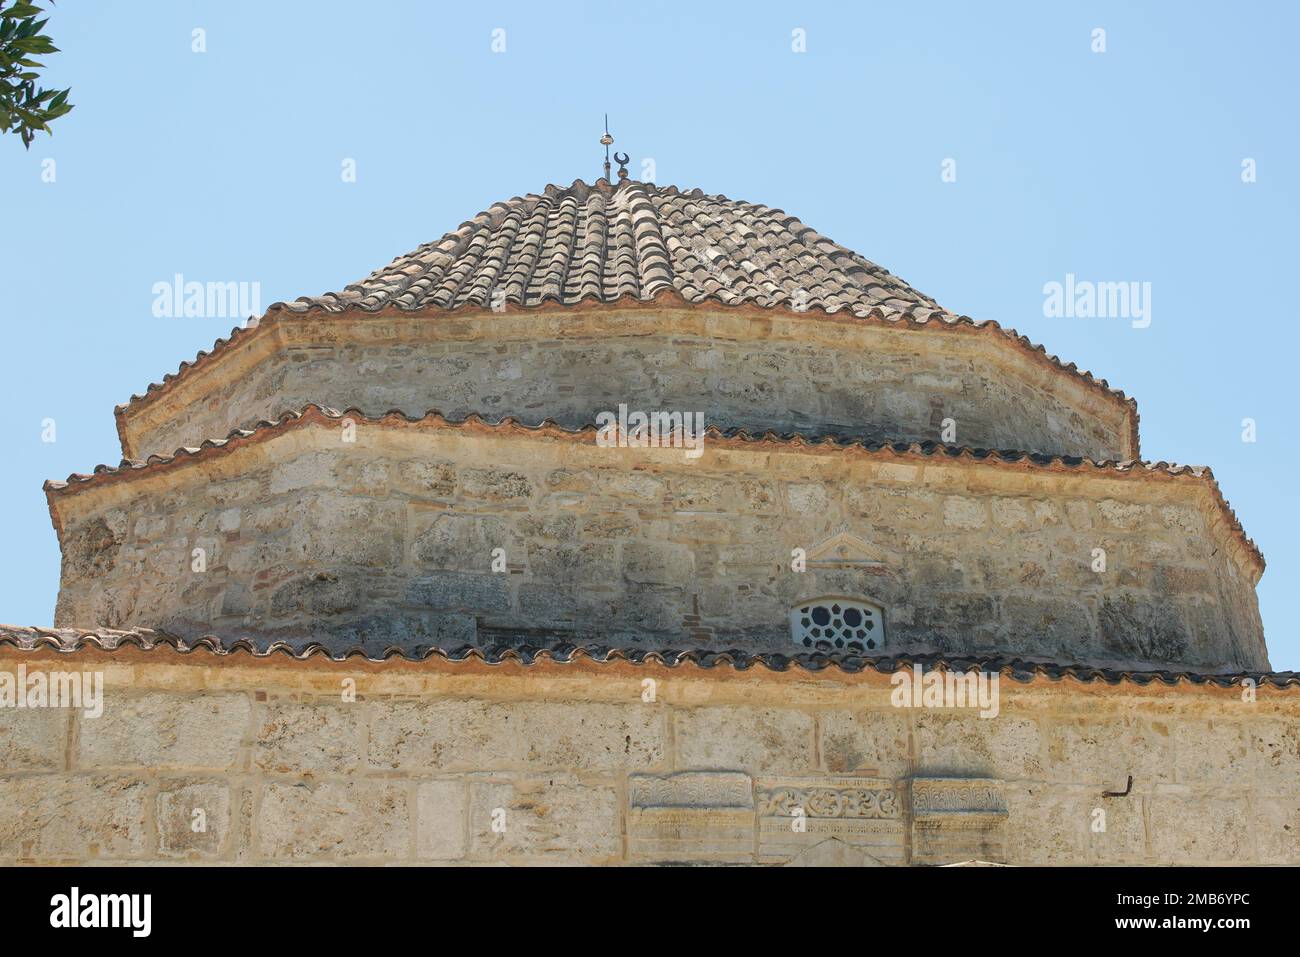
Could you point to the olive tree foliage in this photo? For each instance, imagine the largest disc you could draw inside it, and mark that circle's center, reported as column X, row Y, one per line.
column 25, row 108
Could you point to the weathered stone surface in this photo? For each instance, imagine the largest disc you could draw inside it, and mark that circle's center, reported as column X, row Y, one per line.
column 958, row 819
column 1102, row 753
column 158, row 730
column 962, row 743
column 33, row 738
column 1207, row 753
column 1048, row 825
column 828, row 377
column 833, row 853
column 317, row 737
column 691, row 816
column 796, row 814
column 751, row 739
column 335, row 820
column 547, row 820
column 1275, row 744
column 192, row 818
column 659, row 551
column 1276, row 826
column 413, row 770
column 442, row 807
column 448, row 735
column 865, row 741
column 1197, row 829
column 73, row 817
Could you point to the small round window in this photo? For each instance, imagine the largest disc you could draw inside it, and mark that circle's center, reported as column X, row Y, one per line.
column 837, row 624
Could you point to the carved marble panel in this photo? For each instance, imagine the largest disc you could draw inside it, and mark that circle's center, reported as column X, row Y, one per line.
column 958, row 819
column 798, row 813
column 691, row 816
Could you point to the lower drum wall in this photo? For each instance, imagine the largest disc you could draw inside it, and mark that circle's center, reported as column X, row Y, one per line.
column 615, row 764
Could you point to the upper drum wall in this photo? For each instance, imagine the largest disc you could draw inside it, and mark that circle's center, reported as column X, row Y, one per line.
column 748, row 369
column 392, row 533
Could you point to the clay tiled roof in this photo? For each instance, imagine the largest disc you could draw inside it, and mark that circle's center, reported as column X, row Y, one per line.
column 637, row 243
column 73, row 640
column 730, row 437
column 634, row 240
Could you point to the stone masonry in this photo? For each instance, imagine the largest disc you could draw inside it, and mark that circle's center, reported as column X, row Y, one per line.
column 376, row 582
column 389, row 540
column 578, row 767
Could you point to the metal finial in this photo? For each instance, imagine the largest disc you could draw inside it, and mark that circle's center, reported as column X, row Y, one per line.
column 621, row 159
column 607, row 140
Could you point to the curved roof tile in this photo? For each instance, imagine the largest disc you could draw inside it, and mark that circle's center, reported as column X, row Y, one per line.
column 73, row 640
column 634, row 239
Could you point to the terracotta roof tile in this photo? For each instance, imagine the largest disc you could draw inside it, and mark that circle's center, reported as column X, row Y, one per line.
column 637, row 240
column 73, row 640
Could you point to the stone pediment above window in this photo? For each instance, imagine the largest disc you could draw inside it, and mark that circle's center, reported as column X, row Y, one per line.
column 843, row 550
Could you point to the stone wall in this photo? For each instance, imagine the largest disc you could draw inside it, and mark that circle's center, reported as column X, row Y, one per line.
column 754, row 371
column 391, row 539
column 612, row 763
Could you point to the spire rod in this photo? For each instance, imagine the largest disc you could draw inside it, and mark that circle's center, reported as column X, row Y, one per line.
column 607, row 140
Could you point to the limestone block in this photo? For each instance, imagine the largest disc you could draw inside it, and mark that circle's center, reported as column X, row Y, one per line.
column 318, row 737
column 964, row 513
column 315, row 469
column 498, row 485
column 1275, row 745
column 228, row 520
column 442, row 808
column 422, row 476
column 652, row 609
column 192, row 818
column 962, row 743
column 808, row 499
column 756, row 495
column 318, row 593
column 1126, row 516
column 658, row 563
column 1277, row 830
column 1213, row 752
column 1013, row 513
column 632, row 488
column 365, row 533
column 1054, row 826
column 464, row 542
column 33, row 738
column 461, row 591
column 573, row 561
column 1101, row 753
column 157, row 730
column 554, row 819
column 855, row 741
column 752, row 739
column 474, row 735
column 1197, row 829
column 342, row 820
column 73, row 817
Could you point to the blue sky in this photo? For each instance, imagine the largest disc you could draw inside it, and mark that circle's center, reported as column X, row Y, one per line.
column 225, row 166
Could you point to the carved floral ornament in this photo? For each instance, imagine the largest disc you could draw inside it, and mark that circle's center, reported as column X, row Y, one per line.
column 830, row 802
